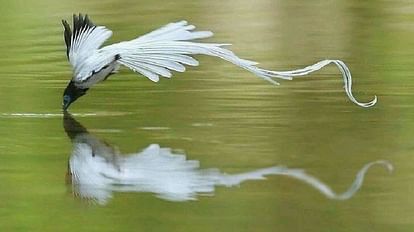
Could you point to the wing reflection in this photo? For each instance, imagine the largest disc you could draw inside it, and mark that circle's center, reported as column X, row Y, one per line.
column 97, row 170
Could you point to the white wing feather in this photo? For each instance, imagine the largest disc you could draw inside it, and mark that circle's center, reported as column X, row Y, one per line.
column 86, row 43
column 82, row 45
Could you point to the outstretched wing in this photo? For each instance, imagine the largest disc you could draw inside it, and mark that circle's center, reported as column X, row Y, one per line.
column 85, row 38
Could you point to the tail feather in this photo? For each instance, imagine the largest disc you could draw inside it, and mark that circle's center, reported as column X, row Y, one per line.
column 169, row 48
column 346, row 75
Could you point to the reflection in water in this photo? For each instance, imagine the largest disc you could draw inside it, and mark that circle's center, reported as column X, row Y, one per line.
column 97, row 169
column 55, row 115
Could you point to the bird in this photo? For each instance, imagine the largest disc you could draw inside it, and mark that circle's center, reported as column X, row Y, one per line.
column 158, row 53
column 96, row 170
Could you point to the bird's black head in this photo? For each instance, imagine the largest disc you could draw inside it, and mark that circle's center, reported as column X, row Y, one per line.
column 71, row 94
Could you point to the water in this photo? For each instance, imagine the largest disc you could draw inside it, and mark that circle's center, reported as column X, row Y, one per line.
column 217, row 117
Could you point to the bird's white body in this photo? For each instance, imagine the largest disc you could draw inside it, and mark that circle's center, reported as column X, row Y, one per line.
column 160, row 52
column 99, row 76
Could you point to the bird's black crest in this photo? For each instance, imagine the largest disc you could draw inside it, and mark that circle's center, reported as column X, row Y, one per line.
column 79, row 23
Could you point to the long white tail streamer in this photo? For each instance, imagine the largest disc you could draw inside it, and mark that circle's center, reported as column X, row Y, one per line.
column 140, row 58
column 168, row 48
column 346, row 74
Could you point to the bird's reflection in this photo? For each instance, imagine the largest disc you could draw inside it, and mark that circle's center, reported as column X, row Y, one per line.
column 96, row 170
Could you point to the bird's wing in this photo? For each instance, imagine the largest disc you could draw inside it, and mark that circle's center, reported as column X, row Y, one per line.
column 170, row 48
column 84, row 40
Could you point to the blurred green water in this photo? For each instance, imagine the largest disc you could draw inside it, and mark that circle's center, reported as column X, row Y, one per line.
column 218, row 114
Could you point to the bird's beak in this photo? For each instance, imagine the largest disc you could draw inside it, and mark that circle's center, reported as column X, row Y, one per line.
column 66, row 102
column 65, row 107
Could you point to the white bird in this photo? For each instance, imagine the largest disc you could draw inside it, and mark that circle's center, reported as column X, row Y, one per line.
column 156, row 54
column 96, row 170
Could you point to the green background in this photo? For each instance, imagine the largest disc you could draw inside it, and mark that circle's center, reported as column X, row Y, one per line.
column 218, row 114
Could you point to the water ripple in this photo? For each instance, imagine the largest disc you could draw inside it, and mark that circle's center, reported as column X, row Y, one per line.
column 59, row 115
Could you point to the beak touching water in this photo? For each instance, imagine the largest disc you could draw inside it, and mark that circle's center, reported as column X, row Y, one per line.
column 71, row 94
column 66, row 102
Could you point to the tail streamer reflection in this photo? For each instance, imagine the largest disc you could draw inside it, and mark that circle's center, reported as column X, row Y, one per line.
column 97, row 170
